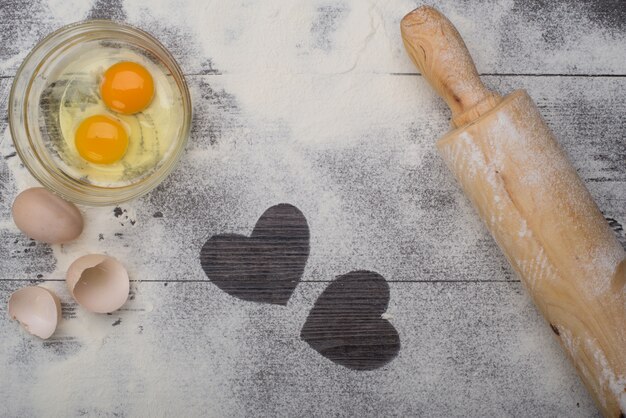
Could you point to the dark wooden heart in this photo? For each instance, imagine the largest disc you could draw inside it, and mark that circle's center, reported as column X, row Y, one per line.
column 345, row 324
column 265, row 267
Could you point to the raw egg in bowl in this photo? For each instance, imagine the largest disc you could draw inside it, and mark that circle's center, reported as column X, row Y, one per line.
column 99, row 112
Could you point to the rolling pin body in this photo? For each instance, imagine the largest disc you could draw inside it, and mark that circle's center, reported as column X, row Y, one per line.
column 546, row 223
column 538, row 210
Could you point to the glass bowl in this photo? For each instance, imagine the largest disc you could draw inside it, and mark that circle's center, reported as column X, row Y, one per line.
column 27, row 117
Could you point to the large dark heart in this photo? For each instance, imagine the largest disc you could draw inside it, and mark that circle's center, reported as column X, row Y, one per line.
column 345, row 324
column 267, row 266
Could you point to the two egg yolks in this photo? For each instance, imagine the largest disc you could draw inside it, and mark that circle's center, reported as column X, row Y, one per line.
column 126, row 88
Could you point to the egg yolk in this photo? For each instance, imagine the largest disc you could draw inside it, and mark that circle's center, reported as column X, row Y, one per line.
column 127, row 87
column 101, row 139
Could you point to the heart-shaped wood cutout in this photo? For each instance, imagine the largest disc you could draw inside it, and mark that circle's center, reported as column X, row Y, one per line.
column 265, row 267
column 345, row 324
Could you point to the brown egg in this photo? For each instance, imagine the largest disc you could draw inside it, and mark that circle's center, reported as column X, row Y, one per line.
column 99, row 283
column 37, row 309
column 45, row 217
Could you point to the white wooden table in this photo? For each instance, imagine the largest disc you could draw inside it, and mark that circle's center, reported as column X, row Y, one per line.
column 314, row 103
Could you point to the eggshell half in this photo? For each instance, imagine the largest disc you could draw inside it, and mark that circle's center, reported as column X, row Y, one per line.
column 99, row 283
column 46, row 217
column 37, row 309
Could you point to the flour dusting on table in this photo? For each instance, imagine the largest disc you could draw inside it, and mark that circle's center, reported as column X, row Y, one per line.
column 299, row 102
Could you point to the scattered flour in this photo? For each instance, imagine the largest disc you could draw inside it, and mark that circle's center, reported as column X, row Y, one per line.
column 315, row 102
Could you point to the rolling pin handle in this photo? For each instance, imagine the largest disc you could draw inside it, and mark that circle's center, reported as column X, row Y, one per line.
column 438, row 51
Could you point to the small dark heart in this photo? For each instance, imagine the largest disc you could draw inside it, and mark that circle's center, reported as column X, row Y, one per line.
column 265, row 267
column 345, row 324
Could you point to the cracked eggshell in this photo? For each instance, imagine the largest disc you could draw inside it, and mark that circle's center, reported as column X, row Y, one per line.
column 46, row 217
column 37, row 309
column 98, row 283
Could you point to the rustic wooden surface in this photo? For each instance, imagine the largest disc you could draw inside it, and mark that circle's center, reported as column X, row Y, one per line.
column 469, row 341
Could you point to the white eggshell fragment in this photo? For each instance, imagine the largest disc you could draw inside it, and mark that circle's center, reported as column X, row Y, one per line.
column 99, row 283
column 37, row 309
column 46, row 217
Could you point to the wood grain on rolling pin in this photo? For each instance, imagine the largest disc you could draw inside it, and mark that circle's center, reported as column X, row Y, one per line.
column 535, row 205
column 552, row 233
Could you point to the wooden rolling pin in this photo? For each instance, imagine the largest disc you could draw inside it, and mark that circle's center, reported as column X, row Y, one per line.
column 537, row 208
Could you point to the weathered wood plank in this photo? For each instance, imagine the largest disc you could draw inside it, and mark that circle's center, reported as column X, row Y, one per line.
column 572, row 37
column 366, row 176
column 283, row 125
column 467, row 349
